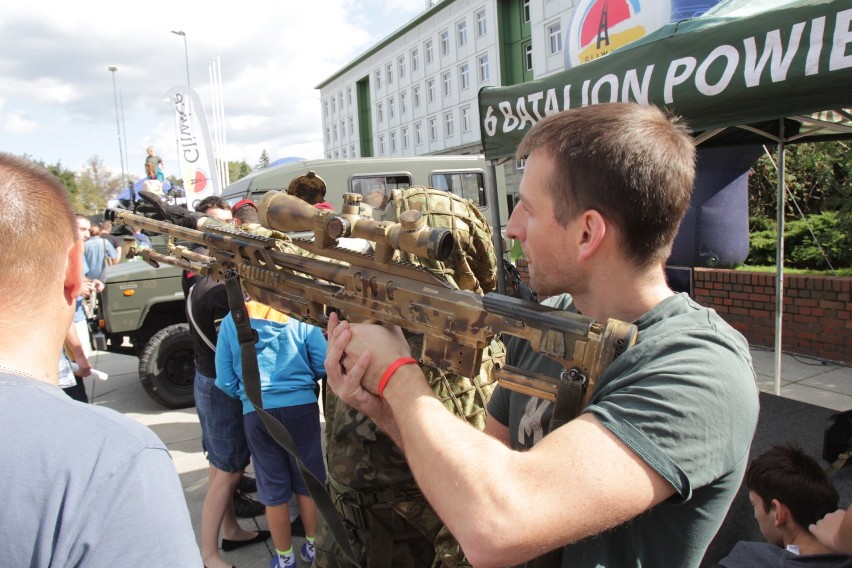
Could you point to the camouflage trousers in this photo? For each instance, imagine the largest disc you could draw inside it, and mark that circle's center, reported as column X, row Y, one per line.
column 405, row 534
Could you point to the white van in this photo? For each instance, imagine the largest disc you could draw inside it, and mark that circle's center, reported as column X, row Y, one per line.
column 374, row 178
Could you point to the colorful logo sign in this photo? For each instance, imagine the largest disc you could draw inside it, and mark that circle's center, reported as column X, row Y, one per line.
column 598, row 27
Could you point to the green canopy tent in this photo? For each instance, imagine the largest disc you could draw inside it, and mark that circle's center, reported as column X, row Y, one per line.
column 746, row 72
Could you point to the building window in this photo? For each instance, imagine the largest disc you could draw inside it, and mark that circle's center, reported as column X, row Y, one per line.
column 400, row 64
column 327, row 135
column 449, row 127
column 342, row 129
column 554, row 34
column 406, row 139
column 403, row 103
column 447, row 84
column 349, row 96
column 461, row 32
column 336, row 154
column 389, row 73
column 393, row 141
column 415, row 94
column 430, row 91
column 381, row 145
column 427, row 50
column 334, row 132
column 352, row 151
column 343, row 153
column 433, row 129
column 333, row 104
column 484, row 73
column 418, row 133
column 526, row 11
column 481, row 24
column 391, row 108
column 325, row 108
column 340, row 101
column 351, row 126
column 378, row 79
column 380, row 112
column 464, row 77
column 445, row 42
column 466, row 119
column 528, row 64
column 415, row 60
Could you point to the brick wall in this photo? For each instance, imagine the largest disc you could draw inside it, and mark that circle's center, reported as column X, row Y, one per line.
column 816, row 319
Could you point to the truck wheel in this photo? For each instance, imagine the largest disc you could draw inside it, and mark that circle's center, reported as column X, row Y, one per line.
column 167, row 367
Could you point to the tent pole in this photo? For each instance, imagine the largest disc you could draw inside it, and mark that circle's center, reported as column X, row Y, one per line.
column 497, row 236
column 779, row 258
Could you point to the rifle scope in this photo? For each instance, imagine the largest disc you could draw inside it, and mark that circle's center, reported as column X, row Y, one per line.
column 287, row 213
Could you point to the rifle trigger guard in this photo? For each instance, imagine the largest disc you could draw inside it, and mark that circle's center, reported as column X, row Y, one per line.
column 574, row 375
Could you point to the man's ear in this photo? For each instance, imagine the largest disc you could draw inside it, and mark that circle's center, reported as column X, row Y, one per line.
column 592, row 229
column 74, row 272
column 781, row 513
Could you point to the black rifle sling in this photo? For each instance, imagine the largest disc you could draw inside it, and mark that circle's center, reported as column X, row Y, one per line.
column 569, row 395
column 251, row 383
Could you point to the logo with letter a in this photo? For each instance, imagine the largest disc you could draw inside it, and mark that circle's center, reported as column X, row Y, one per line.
column 531, row 427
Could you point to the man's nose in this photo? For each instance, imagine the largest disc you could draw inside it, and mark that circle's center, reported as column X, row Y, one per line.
column 513, row 224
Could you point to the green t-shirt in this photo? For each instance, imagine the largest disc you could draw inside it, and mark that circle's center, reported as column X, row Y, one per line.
column 684, row 399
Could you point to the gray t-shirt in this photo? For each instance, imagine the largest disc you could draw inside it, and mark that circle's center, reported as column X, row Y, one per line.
column 757, row 554
column 684, row 399
column 85, row 486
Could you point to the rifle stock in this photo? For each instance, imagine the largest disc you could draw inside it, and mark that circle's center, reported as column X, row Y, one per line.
column 456, row 325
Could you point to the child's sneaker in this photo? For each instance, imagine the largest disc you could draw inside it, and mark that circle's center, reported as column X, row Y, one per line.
column 278, row 562
column 307, row 552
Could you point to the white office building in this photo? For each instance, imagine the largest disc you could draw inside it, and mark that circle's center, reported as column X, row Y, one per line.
column 415, row 92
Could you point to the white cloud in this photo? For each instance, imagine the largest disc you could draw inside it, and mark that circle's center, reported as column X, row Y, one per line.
column 58, row 102
column 18, row 123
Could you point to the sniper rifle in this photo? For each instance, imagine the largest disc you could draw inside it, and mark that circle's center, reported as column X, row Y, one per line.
column 456, row 325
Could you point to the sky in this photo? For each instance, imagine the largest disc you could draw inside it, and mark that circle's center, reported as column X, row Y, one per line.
column 58, row 104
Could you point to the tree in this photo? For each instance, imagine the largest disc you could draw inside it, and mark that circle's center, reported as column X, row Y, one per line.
column 238, row 170
column 818, row 177
column 96, row 185
column 264, row 161
column 65, row 176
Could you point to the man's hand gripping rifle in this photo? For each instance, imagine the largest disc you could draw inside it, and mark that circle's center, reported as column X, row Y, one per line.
column 456, row 325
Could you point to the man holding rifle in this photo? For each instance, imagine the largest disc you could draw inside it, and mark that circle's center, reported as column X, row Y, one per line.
column 645, row 475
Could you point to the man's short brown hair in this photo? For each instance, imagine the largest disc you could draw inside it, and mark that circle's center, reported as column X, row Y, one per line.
column 631, row 163
column 212, row 202
column 37, row 226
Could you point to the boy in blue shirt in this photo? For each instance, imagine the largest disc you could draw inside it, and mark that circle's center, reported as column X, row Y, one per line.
column 290, row 357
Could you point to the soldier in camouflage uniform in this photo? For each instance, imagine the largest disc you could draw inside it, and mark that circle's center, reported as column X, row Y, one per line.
column 390, row 522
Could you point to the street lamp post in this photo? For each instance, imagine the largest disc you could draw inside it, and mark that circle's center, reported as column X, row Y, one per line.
column 113, row 69
column 185, row 54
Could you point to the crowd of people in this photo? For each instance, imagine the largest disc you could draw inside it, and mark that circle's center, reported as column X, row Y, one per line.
column 644, row 476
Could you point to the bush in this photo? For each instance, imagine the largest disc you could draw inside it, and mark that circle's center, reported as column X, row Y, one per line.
column 800, row 248
column 819, row 179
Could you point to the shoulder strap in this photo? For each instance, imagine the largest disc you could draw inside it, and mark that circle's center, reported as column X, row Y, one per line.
column 251, row 383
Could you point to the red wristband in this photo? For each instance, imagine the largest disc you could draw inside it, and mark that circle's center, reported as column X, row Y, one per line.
column 383, row 382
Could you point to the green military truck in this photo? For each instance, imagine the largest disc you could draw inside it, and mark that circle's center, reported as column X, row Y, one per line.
column 141, row 312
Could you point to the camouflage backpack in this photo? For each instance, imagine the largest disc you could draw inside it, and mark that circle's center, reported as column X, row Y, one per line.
column 389, row 520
